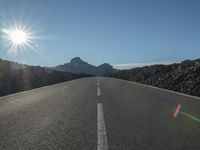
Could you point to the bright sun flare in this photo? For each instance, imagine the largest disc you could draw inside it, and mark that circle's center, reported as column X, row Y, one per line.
column 18, row 37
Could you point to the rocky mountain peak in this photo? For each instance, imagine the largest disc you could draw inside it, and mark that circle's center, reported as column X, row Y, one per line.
column 76, row 60
column 78, row 66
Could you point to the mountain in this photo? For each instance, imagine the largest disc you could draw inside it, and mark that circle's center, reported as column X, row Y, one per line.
column 77, row 66
column 15, row 77
column 183, row 77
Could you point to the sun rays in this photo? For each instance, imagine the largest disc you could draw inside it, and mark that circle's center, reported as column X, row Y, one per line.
column 18, row 38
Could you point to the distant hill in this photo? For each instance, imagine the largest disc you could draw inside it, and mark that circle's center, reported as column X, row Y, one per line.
column 77, row 66
column 183, row 77
column 15, row 77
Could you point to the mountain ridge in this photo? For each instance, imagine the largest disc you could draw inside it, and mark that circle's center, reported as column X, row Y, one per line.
column 78, row 66
column 16, row 77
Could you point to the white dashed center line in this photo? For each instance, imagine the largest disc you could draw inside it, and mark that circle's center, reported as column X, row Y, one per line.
column 102, row 143
column 102, row 138
column 98, row 91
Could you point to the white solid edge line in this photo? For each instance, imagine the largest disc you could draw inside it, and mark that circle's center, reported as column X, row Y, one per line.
column 102, row 143
column 182, row 94
column 150, row 86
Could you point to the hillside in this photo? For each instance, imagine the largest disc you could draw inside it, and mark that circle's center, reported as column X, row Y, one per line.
column 77, row 66
column 183, row 77
column 15, row 77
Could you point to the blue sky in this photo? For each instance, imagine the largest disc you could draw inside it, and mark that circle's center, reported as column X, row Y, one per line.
column 98, row 31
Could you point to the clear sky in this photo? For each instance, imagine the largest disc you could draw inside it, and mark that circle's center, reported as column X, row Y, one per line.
column 98, row 31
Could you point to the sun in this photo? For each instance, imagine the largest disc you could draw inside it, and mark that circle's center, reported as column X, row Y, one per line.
column 18, row 37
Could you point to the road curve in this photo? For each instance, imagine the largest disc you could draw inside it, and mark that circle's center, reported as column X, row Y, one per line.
column 64, row 116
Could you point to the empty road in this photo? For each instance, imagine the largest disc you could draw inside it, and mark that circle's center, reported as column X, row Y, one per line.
column 99, row 113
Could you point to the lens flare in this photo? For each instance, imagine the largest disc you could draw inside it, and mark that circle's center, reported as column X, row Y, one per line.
column 190, row 116
column 178, row 111
column 178, row 107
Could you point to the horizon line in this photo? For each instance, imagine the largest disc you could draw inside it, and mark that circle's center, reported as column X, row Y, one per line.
column 137, row 65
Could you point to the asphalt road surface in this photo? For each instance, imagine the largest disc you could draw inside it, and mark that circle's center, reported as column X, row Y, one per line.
column 99, row 113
